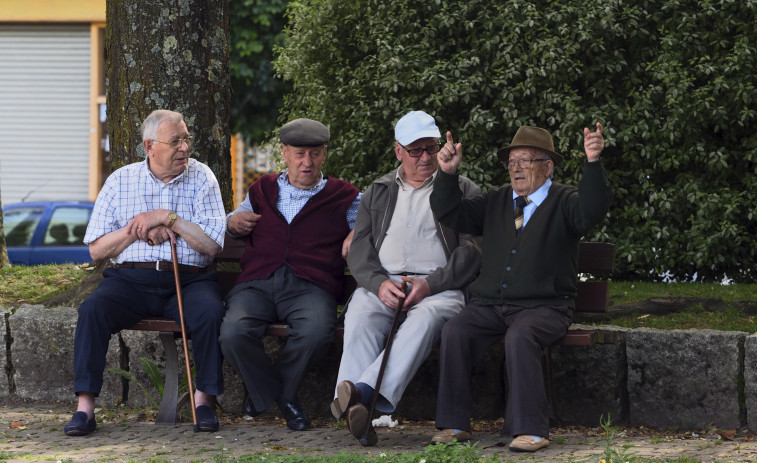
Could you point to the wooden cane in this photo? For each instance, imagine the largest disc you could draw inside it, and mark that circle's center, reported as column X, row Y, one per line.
column 387, row 349
column 180, row 300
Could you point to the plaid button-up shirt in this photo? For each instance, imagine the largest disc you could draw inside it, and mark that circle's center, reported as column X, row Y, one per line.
column 194, row 195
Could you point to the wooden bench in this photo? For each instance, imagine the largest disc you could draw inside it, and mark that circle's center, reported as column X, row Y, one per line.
column 593, row 296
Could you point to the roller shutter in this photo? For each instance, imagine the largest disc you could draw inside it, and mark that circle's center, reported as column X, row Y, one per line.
column 44, row 112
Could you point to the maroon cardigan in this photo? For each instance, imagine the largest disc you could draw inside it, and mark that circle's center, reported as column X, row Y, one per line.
column 311, row 245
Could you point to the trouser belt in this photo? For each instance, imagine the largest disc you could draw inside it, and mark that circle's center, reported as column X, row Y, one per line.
column 163, row 266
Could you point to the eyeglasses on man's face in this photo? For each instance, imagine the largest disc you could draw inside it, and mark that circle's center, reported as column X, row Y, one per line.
column 176, row 143
column 522, row 163
column 418, row 152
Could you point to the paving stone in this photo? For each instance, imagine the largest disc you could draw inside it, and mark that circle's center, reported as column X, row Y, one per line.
column 37, row 433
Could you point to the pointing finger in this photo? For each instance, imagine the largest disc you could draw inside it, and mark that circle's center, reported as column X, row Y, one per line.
column 600, row 129
column 449, row 138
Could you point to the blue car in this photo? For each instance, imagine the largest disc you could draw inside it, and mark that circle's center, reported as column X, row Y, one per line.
column 49, row 232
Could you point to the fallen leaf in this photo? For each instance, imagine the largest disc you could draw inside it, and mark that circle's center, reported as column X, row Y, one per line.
column 16, row 424
column 728, row 434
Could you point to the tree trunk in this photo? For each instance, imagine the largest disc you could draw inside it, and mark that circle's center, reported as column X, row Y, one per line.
column 4, row 261
column 170, row 55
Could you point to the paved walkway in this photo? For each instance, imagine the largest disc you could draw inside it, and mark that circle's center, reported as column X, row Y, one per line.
column 33, row 431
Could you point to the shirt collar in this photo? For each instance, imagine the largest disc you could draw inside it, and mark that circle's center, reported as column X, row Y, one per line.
column 284, row 181
column 398, row 178
column 146, row 167
column 538, row 196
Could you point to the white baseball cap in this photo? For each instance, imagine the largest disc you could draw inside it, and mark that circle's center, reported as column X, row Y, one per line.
column 414, row 126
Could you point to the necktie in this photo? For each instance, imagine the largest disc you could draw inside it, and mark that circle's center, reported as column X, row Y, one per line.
column 520, row 203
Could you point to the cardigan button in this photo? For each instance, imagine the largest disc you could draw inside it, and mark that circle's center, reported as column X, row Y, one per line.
column 513, row 251
column 507, row 268
column 504, row 286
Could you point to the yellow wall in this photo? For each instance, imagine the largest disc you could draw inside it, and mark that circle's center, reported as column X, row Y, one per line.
column 52, row 10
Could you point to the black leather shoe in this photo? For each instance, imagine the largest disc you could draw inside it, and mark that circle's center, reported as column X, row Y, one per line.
column 248, row 409
column 297, row 418
column 207, row 421
column 80, row 425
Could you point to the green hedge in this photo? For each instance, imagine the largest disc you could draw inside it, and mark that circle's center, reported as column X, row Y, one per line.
column 672, row 82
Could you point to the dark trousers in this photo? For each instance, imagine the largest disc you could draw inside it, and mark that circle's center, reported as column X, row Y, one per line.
column 126, row 296
column 310, row 312
column 465, row 340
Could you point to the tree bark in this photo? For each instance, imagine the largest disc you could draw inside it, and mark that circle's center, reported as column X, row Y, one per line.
column 4, row 261
column 170, row 55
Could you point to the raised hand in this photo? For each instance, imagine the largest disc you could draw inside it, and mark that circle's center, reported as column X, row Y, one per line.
column 594, row 143
column 450, row 155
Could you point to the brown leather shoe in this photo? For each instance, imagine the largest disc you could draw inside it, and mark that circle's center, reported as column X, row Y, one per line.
column 445, row 436
column 347, row 395
column 360, row 425
column 524, row 443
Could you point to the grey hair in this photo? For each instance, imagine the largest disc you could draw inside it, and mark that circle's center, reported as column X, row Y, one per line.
column 157, row 117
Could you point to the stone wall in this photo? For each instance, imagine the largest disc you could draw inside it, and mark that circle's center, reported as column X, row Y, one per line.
column 686, row 379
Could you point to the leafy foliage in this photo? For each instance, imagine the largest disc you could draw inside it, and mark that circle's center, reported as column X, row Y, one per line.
column 130, row 377
column 255, row 26
column 672, row 82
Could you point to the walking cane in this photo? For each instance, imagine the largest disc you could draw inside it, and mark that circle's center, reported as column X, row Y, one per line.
column 184, row 333
column 387, row 349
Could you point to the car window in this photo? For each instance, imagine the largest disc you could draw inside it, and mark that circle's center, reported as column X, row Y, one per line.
column 67, row 227
column 19, row 225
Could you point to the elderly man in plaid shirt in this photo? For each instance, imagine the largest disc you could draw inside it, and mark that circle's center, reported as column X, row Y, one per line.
column 141, row 209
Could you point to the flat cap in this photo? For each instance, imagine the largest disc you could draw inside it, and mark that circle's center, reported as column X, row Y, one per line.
column 304, row 132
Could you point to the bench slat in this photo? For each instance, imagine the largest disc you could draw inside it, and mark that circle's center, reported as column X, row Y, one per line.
column 578, row 337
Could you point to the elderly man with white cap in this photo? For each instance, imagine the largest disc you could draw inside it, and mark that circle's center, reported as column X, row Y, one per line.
column 297, row 226
column 527, row 284
column 397, row 238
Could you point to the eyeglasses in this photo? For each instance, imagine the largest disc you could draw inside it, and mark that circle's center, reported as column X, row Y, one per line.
column 175, row 144
column 522, row 163
column 418, row 152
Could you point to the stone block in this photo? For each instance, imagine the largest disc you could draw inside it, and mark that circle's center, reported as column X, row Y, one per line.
column 590, row 382
column 750, row 380
column 687, row 379
column 42, row 352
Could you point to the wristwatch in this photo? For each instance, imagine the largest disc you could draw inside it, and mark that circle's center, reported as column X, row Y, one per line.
column 171, row 219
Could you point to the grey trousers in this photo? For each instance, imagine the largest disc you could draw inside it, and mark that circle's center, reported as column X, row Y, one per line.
column 251, row 306
column 366, row 327
column 465, row 340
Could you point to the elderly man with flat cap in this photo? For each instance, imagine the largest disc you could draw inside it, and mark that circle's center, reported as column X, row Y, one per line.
column 527, row 284
column 297, row 226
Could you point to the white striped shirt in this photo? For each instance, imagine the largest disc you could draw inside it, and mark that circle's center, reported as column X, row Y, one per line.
column 194, row 195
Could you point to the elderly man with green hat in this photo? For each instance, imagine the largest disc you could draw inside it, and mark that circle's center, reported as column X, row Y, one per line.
column 297, row 227
column 527, row 284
